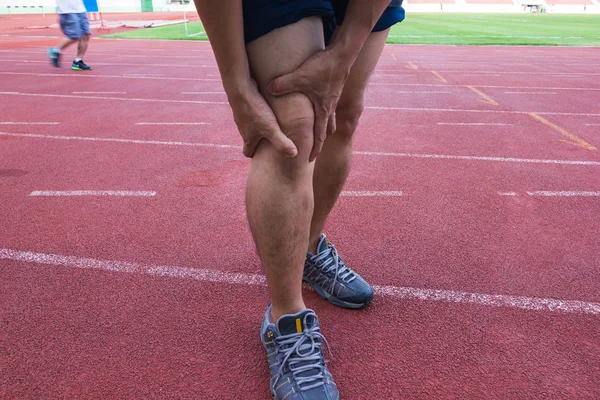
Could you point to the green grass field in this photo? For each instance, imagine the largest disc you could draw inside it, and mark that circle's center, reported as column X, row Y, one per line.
column 452, row 29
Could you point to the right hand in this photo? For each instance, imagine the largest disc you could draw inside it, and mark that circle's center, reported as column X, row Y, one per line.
column 256, row 121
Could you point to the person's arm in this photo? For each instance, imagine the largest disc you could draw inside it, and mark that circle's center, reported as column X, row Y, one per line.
column 322, row 76
column 224, row 25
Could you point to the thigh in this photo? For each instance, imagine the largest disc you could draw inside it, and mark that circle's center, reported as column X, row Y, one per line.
column 352, row 97
column 277, row 53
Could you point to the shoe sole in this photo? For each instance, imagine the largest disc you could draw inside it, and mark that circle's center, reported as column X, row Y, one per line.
column 334, row 300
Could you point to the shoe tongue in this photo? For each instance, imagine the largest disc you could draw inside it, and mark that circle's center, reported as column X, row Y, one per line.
column 323, row 244
column 296, row 323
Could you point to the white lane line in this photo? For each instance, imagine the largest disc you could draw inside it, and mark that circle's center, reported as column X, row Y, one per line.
column 507, row 193
column 73, row 96
column 28, row 123
column 172, row 123
column 473, row 123
column 245, row 279
column 142, row 75
column 478, row 111
column 203, row 93
column 121, row 193
column 117, row 140
column 564, row 194
column 531, row 92
column 33, row 62
column 592, row 124
column 421, row 92
column 485, row 86
column 167, row 78
column 362, row 153
column 477, row 158
column 366, row 193
column 99, row 92
column 226, row 103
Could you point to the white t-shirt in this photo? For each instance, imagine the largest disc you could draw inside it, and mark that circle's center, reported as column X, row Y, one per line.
column 70, row 6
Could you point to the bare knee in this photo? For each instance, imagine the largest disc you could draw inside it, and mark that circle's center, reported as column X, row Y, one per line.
column 296, row 120
column 347, row 115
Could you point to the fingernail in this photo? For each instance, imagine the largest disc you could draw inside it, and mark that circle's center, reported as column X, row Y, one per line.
column 292, row 152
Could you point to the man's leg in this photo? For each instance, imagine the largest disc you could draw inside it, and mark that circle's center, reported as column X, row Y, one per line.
column 66, row 42
column 279, row 197
column 82, row 46
column 333, row 164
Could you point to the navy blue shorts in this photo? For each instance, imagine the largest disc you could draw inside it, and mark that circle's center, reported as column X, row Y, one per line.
column 264, row 16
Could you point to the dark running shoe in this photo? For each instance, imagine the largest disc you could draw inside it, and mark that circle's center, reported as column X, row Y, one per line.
column 54, row 56
column 294, row 347
column 80, row 66
column 333, row 280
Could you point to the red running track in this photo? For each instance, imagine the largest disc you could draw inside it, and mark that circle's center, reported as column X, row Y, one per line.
column 88, row 314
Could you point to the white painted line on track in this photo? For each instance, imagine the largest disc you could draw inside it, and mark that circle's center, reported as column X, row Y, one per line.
column 203, row 93
column 246, row 279
column 73, row 96
column 546, row 193
column 362, row 153
column 507, row 193
column 28, row 123
column 473, row 123
column 478, row 158
column 478, row 111
column 99, row 92
column 592, row 124
column 485, row 86
column 33, row 62
column 140, row 74
column 531, row 92
column 120, row 193
column 172, row 123
column 367, row 193
column 422, row 92
column 226, row 103
column 167, row 78
column 118, row 140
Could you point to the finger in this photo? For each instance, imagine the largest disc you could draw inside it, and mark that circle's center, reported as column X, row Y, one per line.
column 283, row 85
column 250, row 146
column 321, row 119
column 331, row 126
column 282, row 143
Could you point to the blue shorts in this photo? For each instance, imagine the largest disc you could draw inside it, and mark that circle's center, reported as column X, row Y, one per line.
column 264, row 16
column 74, row 26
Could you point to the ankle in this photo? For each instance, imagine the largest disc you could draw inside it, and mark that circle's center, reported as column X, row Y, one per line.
column 313, row 243
column 277, row 312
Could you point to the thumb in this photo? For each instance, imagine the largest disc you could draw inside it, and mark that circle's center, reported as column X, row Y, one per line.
column 283, row 85
column 283, row 144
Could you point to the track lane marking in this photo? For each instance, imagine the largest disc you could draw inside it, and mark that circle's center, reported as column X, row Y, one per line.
column 410, row 65
column 172, row 123
column 363, row 153
column 75, row 193
column 547, row 193
column 474, row 123
column 575, row 141
column 484, row 97
column 367, row 107
column 27, row 123
column 369, row 193
column 246, row 279
column 440, row 78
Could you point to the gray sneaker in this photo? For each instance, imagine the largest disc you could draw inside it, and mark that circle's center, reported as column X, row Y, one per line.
column 333, row 280
column 294, row 347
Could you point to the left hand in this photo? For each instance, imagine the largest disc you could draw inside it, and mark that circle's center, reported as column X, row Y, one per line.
column 321, row 78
